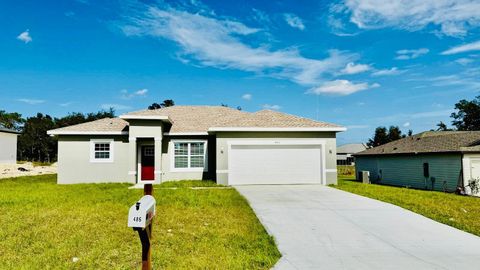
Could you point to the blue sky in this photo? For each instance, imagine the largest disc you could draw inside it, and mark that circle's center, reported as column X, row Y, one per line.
column 359, row 63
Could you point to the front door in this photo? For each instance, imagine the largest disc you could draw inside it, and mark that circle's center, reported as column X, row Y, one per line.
column 148, row 162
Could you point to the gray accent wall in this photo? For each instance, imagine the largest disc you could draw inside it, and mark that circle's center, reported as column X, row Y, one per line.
column 8, row 147
column 224, row 137
column 407, row 170
column 74, row 164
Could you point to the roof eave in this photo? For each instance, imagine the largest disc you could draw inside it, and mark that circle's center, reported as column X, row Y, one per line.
column 262, row 129
column 145, row 117
column 60, row 132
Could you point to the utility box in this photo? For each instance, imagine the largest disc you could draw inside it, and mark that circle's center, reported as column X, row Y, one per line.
column 365, row 177
column 141, row 213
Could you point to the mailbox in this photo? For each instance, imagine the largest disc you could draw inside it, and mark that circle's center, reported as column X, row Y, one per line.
column 141, row 213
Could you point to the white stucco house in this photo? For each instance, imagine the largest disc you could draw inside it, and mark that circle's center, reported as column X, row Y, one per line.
column 199, row 142
column 8, row 145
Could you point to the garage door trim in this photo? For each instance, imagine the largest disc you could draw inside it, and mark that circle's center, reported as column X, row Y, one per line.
column 320, row 142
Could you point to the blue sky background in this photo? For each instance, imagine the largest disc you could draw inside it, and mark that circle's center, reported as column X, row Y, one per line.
column 359, row 63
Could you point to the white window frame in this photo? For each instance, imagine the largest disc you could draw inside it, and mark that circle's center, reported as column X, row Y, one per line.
column 92, row 150
column 172, row 156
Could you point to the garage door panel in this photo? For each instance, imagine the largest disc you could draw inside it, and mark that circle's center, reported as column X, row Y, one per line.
column 275, row 164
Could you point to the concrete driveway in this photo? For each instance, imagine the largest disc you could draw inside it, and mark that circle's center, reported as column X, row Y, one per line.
column 318, row 227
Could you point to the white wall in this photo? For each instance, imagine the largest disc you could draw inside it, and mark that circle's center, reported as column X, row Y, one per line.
column 8, row 147
column 471, row 169
column 224, row 137
column 74, row 164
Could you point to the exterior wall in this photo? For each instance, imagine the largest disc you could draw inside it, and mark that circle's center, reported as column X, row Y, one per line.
column 139, row 131
column 224, row 137
column 167, row 154
column 407, row 170
column 74, row 164
column 8, row 146
column 470, row 164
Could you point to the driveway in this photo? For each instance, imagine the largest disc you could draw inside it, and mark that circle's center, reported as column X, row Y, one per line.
column 318, row 227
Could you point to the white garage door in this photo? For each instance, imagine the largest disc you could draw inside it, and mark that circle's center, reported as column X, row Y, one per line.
column 275, row 164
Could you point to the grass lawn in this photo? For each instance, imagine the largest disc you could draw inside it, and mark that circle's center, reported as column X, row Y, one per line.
column 44, row 226
column 461, row 212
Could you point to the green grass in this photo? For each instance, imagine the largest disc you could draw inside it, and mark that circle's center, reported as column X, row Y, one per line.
column 44, row 225
column 188, row 184
column 462, row 212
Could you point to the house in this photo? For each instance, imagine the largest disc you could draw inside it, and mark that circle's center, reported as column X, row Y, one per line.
column 345, row 153
column 434, row 160
column 8, row 145
column 199, row 142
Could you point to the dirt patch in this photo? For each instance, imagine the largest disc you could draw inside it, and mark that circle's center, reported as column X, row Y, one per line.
column 25, row 169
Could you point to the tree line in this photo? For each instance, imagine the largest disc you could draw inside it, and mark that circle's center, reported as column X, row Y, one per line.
column 466, row 117
column 33, row 142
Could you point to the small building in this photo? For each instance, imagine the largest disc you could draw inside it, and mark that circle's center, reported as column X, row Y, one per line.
column 8, row 145
column 345, row 153
column 433, row 160
column 199, row 142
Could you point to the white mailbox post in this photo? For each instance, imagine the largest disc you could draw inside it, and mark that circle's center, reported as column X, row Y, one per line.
column 140, row 218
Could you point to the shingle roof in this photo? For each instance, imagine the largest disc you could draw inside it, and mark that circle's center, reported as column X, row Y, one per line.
column 201, row 118
column 105, row 125
column 430, row 142
column 189, row 119
column 351, row 148
column 7, row 130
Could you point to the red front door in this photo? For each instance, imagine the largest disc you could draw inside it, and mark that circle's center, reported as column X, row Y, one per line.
column 148, row 162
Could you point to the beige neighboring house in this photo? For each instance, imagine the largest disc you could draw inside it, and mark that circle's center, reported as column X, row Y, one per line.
column 199, row 142
column 8, row 145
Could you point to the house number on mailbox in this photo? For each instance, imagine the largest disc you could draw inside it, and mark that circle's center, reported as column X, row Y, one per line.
column 137, row 219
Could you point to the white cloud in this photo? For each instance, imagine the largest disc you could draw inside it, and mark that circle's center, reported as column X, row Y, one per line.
column 449, row 17
column 31, row 101
column 66, row 104
column 118, row 107
column 294, row 21
column 271, row 107
column 247, row 96
column 388, row 72
column 411, row 54
column 474, row 46
column 138, row 93
column 406, row 124
column 464, row 61
column 351, row 68
column 218, row 43
column 25, row 36
column 341, row 87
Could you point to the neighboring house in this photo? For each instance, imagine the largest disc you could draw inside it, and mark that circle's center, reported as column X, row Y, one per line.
column 438, row 160
column 199, row 142
column 8, row 145
column 345, row 153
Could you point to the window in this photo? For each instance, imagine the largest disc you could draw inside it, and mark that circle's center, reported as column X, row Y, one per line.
column 149, row 151
column 101, row 150
column 189, row 155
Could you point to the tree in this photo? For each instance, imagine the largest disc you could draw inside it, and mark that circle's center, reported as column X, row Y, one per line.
column 467, row 116
column 442, row 127
column 165, row 103
column 394, row 133
column 382, row 136
column 34, row 143
column 11, row 120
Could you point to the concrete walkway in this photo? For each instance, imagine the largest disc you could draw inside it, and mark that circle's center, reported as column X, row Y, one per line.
column 318, row 227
